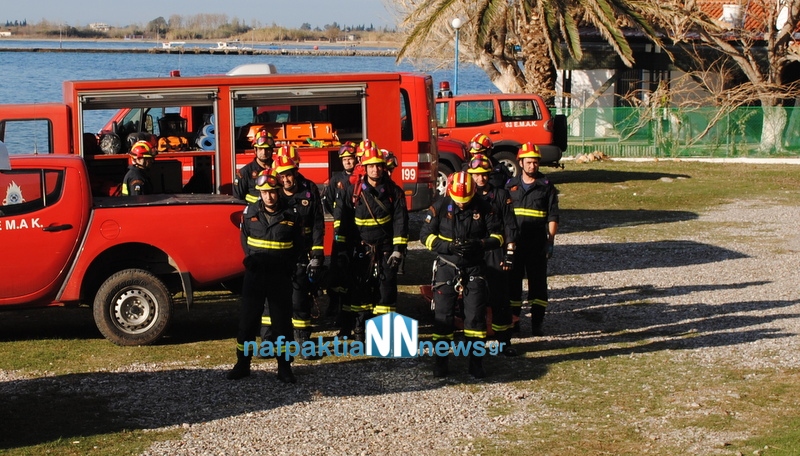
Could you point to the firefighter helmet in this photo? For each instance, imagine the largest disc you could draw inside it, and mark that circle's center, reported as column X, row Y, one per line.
column 479, row 164
column 390, row 159
column 288, row 151
column 480, row 144
column 528, row 150
column 347, row 150
column 142, row 149
column 266, row 180
column 372, row 156
column 363, row 146
column 264, row 140
column 461, row 187
column 283, row 163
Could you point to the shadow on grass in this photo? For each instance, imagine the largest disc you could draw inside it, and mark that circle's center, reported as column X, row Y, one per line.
column 584, row 220
column 607, row 176
column 575, row 259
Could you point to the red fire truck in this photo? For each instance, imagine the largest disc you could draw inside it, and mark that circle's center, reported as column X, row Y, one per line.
column 126, row 257
column 205, row 125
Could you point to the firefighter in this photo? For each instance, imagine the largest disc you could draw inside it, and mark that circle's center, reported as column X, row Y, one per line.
column 481, row 144
column 244, row 183
column 498, row 261
column 535, row 201
column 460, row 229
column 137, row 179
column 376, row 207
column 339, row 289
column 269, row 233
column 301, row 197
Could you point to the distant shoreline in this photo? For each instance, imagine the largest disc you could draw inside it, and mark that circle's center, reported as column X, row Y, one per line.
column 207, row 42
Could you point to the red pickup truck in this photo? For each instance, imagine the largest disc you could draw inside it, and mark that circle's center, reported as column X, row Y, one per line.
column 125, row 256
column 509, row 120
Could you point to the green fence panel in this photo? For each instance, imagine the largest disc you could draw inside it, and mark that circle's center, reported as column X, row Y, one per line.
column 676, row 132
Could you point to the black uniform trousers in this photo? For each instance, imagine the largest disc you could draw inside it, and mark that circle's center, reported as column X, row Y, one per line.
column 499, row 295
column 530, row 261
column 270, row 287
column 376, row 284
column 446, row 288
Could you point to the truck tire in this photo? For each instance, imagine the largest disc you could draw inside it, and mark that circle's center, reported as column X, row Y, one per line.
column 441, row 179
column 133, row 307
column 509, row 160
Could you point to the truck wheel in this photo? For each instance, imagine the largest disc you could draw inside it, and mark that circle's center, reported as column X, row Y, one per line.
column 441, row 179
column 133, row 307
column 509, row 160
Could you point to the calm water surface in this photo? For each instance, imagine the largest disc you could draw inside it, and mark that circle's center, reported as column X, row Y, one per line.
column 28, row 77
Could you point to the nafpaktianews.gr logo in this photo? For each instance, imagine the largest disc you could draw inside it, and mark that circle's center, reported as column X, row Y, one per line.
column 390, row 335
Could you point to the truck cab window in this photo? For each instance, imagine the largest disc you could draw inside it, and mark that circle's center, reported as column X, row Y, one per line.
column 26, row 191
column 27, row 136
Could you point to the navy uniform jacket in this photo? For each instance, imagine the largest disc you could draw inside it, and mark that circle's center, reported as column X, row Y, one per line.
column 136, row 182
column 306, row 204
column 446, row 223
column 379, row 215
column 244, row 186
column 534, row 209
column 269, row 241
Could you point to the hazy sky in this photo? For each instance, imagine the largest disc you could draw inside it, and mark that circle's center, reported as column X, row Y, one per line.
column 288, row 13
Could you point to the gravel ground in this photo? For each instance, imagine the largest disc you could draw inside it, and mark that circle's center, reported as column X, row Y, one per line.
column 729, row 276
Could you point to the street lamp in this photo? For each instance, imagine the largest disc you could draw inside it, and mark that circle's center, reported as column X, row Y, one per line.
column 456, row 25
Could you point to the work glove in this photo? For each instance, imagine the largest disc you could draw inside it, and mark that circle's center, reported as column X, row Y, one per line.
column 394, row 259
column 549, row 251
column 508, row 260
column 313, row 268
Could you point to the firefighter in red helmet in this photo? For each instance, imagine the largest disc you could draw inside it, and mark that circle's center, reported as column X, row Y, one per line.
column 460, row 228
column 375, row 209
column 137, row 179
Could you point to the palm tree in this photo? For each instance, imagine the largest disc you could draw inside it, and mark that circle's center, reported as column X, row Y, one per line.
column 538, row 26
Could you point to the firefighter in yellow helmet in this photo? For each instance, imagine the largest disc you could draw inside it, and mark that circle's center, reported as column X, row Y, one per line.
column 535, row 201
column 302, row 198
column 269, row 233
column 481, row 144
column 137, row 179
column 460, row 228
column 244, row 183
column 498, row 261
column 375, row 209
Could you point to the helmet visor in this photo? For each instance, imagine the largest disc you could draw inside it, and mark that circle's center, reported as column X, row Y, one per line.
column 266, row 182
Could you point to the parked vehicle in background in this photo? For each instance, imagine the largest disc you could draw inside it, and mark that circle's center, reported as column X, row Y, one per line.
column 124, row 256
column 205, row 125
column 509, row 120
column 452, row 156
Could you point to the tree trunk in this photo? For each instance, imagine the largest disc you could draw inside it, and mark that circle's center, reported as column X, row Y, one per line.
column 775, row 119
column 540, row 70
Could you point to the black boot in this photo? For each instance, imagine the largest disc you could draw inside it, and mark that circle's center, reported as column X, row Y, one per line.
column 476, row 366
column 285, row 371
column 504, row 338
column 537, row 317
column 440, row 368
column 346, row 320
column 301, row 336
column 242, row 367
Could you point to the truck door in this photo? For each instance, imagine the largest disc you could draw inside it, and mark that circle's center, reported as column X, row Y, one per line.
column 40, row 225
